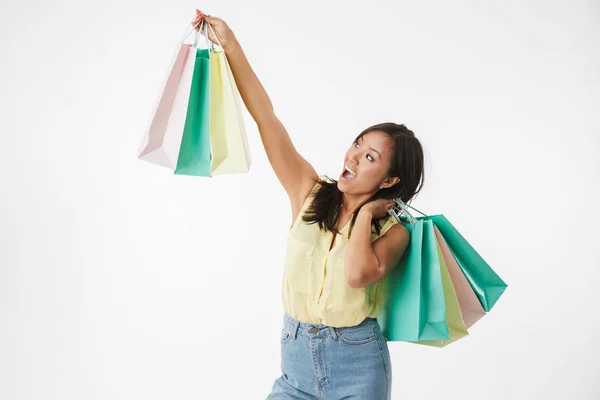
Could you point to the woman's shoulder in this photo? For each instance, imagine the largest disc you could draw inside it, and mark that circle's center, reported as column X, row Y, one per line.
column 390, row 222
column 323, row 180
column 309, row 192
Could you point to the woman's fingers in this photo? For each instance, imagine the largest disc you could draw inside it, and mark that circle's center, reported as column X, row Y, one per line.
column 196, row 23
column 215, row 27
column 200, row 14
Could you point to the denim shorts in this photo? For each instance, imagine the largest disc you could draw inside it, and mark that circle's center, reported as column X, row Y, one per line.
column 323, row 362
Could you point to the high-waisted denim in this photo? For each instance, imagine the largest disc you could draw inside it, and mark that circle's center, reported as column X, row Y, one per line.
column 322, row 362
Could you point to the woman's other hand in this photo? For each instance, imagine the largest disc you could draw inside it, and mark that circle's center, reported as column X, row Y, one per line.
column 379, row 208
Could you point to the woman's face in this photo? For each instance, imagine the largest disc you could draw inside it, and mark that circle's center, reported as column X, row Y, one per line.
column 366, row 164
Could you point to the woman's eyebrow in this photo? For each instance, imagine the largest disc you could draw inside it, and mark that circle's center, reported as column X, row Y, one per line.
column 378, row 153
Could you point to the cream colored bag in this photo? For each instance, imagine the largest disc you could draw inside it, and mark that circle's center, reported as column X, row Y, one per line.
column 228, row 139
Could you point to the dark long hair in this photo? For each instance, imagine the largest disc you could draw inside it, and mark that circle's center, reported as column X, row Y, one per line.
column 407, row 163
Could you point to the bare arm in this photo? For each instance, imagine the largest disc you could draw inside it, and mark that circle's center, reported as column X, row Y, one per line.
column 367, row 263
column 295, row 174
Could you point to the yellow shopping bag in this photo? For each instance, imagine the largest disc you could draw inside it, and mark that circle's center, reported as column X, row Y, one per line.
column 218, row 127
column 229, row 142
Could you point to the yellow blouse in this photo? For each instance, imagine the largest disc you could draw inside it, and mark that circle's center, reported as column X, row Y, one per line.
column 314, row 288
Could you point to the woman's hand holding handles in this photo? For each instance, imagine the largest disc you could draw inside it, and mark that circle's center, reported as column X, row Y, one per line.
column 225, row 37
column 379, row 208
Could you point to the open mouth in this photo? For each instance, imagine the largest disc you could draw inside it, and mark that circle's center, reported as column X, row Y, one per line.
column 348, row 173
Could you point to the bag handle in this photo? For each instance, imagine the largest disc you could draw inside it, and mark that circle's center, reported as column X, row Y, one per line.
column 209, row 44
column 403, row 209
column 189, row 30
column 218, row 42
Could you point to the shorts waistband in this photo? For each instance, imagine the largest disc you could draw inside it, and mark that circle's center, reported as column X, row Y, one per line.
column 295, row 327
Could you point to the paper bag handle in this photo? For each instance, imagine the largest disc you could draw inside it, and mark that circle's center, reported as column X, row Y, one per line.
column 403, row 209
column 189, row 30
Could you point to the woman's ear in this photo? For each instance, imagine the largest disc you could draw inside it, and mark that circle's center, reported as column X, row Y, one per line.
column 389, row 182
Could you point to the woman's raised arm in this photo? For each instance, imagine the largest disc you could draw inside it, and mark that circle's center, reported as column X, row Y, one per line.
column 295, row 174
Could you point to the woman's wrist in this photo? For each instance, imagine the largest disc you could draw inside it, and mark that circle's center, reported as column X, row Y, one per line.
column 366, row 211
column 231, row 45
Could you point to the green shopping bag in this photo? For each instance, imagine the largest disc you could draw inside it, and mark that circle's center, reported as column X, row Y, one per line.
column 486, row 284
column 194, row 153
column 415, row 308
column 454, row 319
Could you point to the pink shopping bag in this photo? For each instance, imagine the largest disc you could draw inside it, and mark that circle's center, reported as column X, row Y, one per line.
column 162, row 138
column 471, row 308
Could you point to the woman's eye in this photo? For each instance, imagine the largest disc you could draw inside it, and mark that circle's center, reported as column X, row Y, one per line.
column 355, row 144
column 370, row 158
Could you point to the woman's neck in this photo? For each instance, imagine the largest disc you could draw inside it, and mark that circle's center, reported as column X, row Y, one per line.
column 351, row 203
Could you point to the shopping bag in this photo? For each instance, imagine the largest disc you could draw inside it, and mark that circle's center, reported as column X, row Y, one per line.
column 401, row 305
column 486, row 284
column 161, row 143
column 197, row 126
column 218, row 128
column 415, row 308
column 194, row 153
column 454, row 318
column 470, row 307
column 162, row 139
column 228, row 133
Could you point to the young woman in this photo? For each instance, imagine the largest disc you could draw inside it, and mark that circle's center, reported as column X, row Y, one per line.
column 341, row 246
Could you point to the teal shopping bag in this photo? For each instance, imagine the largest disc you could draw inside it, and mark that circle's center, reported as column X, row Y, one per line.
column 486, row 284
column 194, row 153
column 415, row 308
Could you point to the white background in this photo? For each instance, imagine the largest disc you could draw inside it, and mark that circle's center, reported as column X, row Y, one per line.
column 119, row 280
